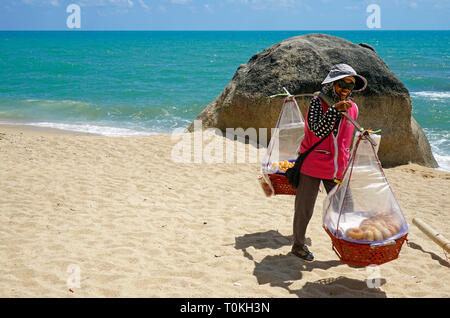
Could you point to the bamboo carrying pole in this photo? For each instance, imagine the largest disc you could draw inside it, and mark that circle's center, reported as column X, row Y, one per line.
column 438, row 238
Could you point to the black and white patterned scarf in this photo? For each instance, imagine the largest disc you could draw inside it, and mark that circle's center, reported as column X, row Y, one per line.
column 328, row 90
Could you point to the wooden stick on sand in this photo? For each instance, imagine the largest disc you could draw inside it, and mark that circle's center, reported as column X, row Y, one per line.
column 438, row 238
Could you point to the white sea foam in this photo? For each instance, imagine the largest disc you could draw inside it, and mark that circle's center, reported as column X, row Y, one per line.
column 94, row 129
column 443, row 162
column 440, row 146
column 431, row 94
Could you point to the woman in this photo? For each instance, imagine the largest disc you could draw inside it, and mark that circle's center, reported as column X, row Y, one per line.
column 328, row 160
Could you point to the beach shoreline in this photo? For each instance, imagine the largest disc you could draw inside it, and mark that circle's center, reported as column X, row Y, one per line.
column 119, row 217
column 18, row 128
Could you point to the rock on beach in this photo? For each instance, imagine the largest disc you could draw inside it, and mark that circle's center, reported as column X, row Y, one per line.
column 300, row 64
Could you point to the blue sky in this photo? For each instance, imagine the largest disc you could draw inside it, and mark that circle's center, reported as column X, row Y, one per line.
column 225, row 14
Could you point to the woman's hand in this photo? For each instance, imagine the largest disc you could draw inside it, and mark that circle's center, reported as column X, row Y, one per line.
column 343, row 105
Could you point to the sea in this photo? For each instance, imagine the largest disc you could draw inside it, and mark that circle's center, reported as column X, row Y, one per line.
column 127, row 83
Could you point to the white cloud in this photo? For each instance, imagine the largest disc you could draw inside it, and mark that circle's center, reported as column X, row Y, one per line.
column 268, row 4
column 180, row 1
column 208, row 8
column 122, row 3
column 351, row 7
column 143, row 4
column 53, row 3
column 86, row 3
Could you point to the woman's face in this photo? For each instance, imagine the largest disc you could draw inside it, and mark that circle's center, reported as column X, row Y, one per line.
column 343, row 92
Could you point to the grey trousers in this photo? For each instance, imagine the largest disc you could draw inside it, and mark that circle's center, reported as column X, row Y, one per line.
column 307, row 190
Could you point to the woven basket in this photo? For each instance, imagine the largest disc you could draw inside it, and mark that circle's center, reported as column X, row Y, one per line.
column 281, row 184
column 365, row 254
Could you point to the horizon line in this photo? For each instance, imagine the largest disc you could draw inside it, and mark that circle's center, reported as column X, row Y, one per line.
column 212, row 30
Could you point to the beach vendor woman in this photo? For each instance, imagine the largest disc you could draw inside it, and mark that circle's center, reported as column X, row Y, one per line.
column 329, row 159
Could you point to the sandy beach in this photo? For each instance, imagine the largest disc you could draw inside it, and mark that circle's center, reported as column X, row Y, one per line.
column 120, row 217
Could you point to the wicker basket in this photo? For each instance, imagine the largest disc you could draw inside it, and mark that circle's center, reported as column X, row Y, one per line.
column 281, row 184
column 366, row 254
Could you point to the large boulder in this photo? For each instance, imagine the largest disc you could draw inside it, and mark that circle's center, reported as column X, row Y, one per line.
column 300, row 64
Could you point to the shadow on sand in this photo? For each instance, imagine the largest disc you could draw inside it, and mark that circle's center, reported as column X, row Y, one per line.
column 435, row 257
column 283, row 270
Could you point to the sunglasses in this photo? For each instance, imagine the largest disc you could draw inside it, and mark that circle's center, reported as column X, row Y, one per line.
column 344, row 84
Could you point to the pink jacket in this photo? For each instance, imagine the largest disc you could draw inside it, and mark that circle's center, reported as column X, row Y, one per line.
column 329, row 159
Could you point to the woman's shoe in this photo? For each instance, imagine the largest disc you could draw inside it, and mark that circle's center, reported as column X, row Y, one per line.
column 303, row 252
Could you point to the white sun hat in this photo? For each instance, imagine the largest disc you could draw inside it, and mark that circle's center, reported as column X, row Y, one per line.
column 340, row 71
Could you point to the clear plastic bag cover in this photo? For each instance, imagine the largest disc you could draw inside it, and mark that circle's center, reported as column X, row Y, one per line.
column 363, row 208
column 286, row 138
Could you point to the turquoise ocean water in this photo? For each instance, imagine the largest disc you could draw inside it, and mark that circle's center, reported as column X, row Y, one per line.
column 140, row 83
